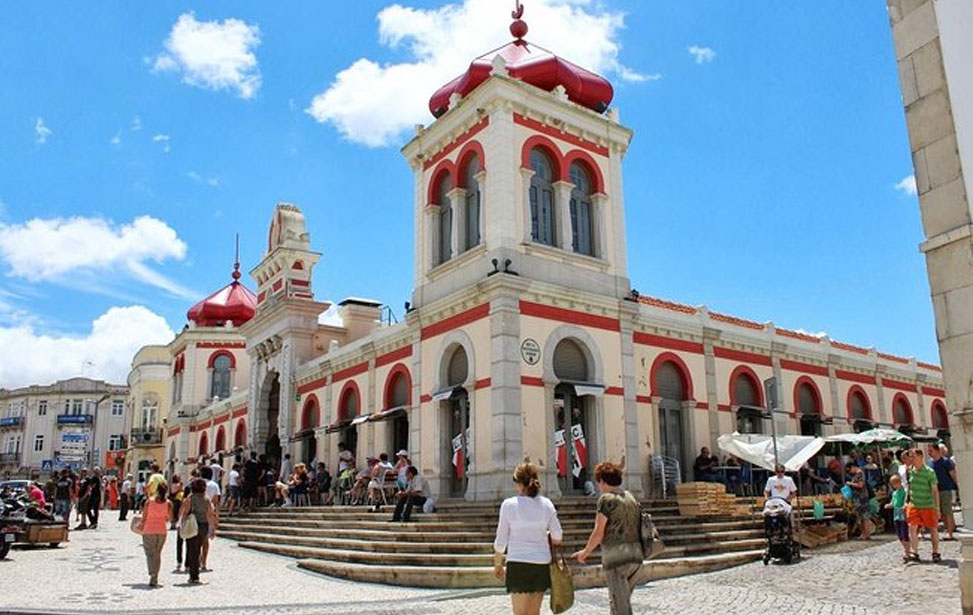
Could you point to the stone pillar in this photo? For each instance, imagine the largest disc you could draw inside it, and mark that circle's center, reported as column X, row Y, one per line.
column 636, row 468
column 507, row 426
column 881, row 414
column 527, row 175
column 457, row 196
column 562, row 215
column 929, row 37
column 481, row 181
column 777, row 350
column 710, row 337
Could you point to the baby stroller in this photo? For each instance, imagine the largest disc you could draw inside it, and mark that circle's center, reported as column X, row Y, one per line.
column 778, row 531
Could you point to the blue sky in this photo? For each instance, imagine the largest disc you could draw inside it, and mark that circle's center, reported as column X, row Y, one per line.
column 761, row 180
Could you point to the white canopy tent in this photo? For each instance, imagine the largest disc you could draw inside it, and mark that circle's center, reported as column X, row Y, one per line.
column 792, row 451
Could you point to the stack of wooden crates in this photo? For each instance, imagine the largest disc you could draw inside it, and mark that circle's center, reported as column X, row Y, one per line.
column 708, row 500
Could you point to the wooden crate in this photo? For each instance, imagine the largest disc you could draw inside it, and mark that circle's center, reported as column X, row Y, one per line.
column 42, row 533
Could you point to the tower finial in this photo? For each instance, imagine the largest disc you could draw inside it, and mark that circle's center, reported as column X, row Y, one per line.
column 519, row 27
column 236, row 264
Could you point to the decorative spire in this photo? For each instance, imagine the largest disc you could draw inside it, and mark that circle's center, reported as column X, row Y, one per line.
column 236, row 265
column 519, row 27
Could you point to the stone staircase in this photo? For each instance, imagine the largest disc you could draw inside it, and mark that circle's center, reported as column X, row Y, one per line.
column 453, row 547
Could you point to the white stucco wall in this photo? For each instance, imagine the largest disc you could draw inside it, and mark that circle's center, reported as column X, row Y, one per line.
column 955, row 20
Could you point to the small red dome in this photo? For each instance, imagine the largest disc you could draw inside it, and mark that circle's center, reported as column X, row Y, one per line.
column 234, row 302
column 532, row 65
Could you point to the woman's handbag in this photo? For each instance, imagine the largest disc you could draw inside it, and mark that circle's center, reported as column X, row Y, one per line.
column 562, row 583
column 652, row 545
column 137, row 524
column 189, row 527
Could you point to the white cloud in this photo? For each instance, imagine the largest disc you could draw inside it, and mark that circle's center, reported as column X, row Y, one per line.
column 164, row 140
column 41, row 131
column 213, row 182
column 67, row 250
column 702, row 55
column 907, row 185
column 36, row 357
column 373, row 104
column 136, row 123
column 216, row 55
column 117, row 139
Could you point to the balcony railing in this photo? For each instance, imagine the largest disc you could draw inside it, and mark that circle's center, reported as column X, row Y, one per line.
column 75, row 419
column 12, row 421
column 10, row 457
column 146, row 437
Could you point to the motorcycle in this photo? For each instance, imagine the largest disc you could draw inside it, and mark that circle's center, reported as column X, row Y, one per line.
column 13, row 516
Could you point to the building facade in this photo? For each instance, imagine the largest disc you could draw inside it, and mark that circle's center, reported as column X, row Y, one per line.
column 77, row 422
column 524, row 339
column 148, row 402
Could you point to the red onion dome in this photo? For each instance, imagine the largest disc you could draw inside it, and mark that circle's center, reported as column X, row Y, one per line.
column 533, row 65
column 233, row 303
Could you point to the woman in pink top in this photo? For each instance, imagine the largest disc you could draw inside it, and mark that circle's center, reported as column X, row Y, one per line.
column 156, row 514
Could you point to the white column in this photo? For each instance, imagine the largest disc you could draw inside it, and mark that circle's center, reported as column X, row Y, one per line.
column 481, row 178
column 456, row 196
column 562, row 215
column 432, row 226
column 599, row 210
column 527, row 175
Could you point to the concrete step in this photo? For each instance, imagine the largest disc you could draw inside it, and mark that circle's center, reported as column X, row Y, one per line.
column 457, row 577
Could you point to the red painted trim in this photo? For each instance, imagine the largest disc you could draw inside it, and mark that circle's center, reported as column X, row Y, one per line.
column 531, row 381
column 221, row 345
column 702, row 405
column 857, row 390
column 277, row 285
column 908, row 407
column 933, row 391
column 687, row 379
column 930, row 366
column 724, row 408
column 818, row 408
column 482, row 383
column 261, row 296
column 559, row 134
column 647, row 339
column 423, row 399
column 348, row 372
column 747, row 372
column 240, row 434
column 463, row 138
column 454, row 322
column 614, row 391
column 239, row 412
column 583, row 319
column 901, row 386
column 221, row 419
column 220, row 440
column 395, row 355
column 204, row 425
column 445, row 167
column 740, row 355
column 203, row 444
column 221, row 353
column 795, row 366
column 303, row 283
column 549, row 147
column 473, row 147
column 586, row 160
column 311, row 403
column 302, row 295
column 350, row 388
column 854, row 376
column 310, row 386
column 299, row 265
column 643, row 399
column 398, row 371
column 174, row 431
column 939, row 407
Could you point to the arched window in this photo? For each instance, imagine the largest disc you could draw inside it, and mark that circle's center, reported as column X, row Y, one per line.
column 203, row 444
column 220, row 379
column 458, row 368
column 220, row 440
column 745, row 391
column 311, row 415
column 472, row 202
column 940, row 418
column 570, row 362
column 398, row 395
column 349, row 404
column 669, row 382
column 240, row 437
column 807, row 399
column 150, row 413
column 901, row 411
column 858, row 408
column 445, row 219
column 541, row 198
column 582, row 227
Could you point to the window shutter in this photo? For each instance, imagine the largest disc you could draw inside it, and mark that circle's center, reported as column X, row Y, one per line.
column 570, row 363
column 668, row 382
column 746, row 393
column 458, row 369
column 807, row 399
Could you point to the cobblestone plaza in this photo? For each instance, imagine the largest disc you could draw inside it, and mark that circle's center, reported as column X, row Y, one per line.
column 104, row 571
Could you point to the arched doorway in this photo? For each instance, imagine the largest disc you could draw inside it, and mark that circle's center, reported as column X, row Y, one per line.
column 940, row 421
column 902, row 414
column 859, row 410
column 457, row 435
column 310, row 418
column 348, row 409
column 746, row 396
column 272, row 447
column 397, row 396
column 670, row 383
column 573, row 420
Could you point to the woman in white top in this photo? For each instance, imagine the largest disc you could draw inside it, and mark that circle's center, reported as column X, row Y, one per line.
column 526, row 520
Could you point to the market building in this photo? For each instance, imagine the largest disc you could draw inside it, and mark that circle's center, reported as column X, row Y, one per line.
column 524, row 338
column 78, row 422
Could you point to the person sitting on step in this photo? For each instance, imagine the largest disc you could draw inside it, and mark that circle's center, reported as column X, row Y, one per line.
column 414, row 494
column 361, row 481
column 377, row 481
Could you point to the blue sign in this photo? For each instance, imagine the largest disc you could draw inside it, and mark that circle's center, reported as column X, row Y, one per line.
column 74, row 437
column 10, row 421
column 74, row 419
column 47, row 465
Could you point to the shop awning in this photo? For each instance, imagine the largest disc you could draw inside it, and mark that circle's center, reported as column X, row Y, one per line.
column 336, row 427
column 358, row 420
column 388, row 414
column 792, row 451
column 444, row 394
column 872, row 437
column 594, row 390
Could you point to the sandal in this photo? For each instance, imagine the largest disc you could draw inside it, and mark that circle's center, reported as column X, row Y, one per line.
column 915, row 558
column 936, row 558
column 906, row 559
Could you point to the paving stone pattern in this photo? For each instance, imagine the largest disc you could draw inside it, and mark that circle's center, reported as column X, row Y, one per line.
column 103, row 571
